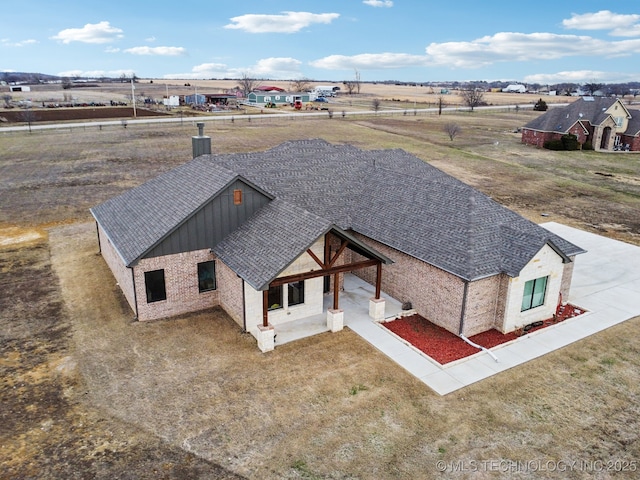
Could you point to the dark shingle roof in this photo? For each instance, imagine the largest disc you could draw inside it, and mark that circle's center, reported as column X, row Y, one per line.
column 136, row 220
column 266, row 244
column 561, row 119
column 633, row 128
column 387, row 195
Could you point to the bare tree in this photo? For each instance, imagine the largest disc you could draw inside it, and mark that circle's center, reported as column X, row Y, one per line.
column 375, row 104
column 441, row 104
column 472, row 97
column 301, row 85
column 592, row 88
column 357, row 80
column 28, row 116
column 248, row 84
column 452, row 129
column 350, row 86
column 7, row 100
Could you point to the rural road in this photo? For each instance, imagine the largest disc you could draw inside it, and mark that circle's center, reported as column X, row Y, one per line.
column 193, row 120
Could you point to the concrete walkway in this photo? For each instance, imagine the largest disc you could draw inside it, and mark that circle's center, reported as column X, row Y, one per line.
column 606, row 282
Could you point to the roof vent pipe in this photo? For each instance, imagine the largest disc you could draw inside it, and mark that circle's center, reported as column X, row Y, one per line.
column 201, row 144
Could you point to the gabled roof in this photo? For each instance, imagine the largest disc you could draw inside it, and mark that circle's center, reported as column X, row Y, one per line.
column 387, row 195
column 561, row 119
column 139, row 218
column 633, row 127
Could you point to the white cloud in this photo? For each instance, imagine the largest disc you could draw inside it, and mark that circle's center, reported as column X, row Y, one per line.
column 5, row 42
column 510, row 46
column 96, row 73
column 378, row 3
column 150, row 39
column 276, row 67
column 619, row 25
column 366, row 61
column 273, row 68
column 111, row 50
column 580, row 76
column 161, row 51
column 288, row 22
column 101, row 32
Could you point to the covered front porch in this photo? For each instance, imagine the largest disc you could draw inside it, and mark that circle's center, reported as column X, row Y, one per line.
column 354, row 301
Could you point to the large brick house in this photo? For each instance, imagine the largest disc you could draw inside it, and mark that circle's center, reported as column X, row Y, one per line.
column 604, row 122
column 265, row 235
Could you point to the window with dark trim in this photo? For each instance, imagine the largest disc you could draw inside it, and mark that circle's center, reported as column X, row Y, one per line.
column 534, row 293
column 207, row 276
column 155, row 286
column 295, row 294
column 275, row 297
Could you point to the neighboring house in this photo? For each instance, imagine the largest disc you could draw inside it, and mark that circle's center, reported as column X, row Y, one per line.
column 265, row 235
column 278, row 98
column 603, row 122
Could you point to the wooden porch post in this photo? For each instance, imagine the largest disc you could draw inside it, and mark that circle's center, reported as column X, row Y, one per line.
column 336, row 290
column 265, row 308
column 378, row 279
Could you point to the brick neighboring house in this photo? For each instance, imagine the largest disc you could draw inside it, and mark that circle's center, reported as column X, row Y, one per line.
column 603, row 122
column 265, row 235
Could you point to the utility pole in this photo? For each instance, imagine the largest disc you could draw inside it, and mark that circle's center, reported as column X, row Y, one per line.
column 133, row 98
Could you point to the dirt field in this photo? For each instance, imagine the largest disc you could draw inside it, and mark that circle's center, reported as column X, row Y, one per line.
column 87, row 393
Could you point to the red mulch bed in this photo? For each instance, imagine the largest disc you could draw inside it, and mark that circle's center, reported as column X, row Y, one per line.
column 444, row 347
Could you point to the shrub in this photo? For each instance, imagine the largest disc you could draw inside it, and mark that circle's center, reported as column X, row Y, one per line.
column 570, row 142
column 587, row 146
column 540, row 106
column 553, row 145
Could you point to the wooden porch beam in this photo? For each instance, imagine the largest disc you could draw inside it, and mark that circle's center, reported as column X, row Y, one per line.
column 378, row 279
column 265, row 308
column 317, row 260
column 323, row 272
column 338, row 253
column 336, row 291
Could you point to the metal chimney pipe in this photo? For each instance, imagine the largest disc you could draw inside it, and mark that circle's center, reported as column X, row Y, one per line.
column 201, row 144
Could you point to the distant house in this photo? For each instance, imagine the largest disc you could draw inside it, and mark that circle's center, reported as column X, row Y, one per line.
column 278, row 98
column 603, row 122
column 265, row 235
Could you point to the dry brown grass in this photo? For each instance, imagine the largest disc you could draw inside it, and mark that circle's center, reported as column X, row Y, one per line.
column 98, row 394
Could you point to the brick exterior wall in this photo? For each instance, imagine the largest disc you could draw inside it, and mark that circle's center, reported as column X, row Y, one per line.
column 634, row 142
column 230, row 292
column 482, row 303
column 121, row 273
column 533, row 137
column 181, row 283
column 433, row 293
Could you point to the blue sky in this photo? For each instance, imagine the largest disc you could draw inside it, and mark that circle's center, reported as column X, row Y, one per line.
column 408, row 40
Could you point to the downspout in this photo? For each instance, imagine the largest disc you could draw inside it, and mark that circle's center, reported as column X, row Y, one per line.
column 464, row 307
column 98, row 233
column 462, row 314
column 244, row 308
column 135, row 295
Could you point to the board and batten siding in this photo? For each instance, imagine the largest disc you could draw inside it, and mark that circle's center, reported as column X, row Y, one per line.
column 213, row 221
